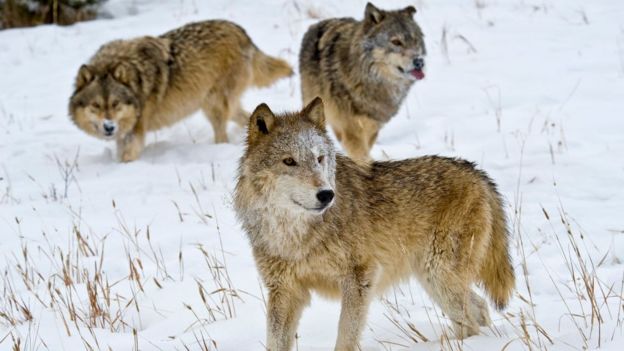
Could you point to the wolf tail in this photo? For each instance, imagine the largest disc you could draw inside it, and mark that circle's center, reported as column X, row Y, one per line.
column 496, row 273
column 267, row 69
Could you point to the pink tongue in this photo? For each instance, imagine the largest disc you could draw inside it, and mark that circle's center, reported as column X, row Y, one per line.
column 418, row 74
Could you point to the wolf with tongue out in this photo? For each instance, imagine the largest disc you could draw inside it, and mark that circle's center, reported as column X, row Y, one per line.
column 362, row 70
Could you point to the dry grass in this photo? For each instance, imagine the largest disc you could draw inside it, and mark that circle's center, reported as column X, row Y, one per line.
column 449, row 38
column 493, row 94
column 6, row 188
column 75, row 286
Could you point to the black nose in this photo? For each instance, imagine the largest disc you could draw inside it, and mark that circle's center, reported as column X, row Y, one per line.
column 325, row 196
column 419, row 63
column 109, row 128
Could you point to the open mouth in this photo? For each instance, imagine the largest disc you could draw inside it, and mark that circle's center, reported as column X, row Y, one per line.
column 417, row 74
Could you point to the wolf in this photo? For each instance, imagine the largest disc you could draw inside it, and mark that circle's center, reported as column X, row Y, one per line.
column 362, row 70
column 319, row 221
column 130, row 87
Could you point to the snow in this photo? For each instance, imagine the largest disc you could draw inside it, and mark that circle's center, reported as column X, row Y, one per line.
column 531, row 90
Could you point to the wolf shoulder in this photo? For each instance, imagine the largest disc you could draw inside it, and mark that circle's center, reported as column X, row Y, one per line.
column 320, row 34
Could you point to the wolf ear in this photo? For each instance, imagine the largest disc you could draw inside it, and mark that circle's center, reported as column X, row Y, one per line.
column 373, row 14
column 125, row 75
column 409, row 11
column 261, row 122
column 122, row 74
column 85, row 76
column 315, row 112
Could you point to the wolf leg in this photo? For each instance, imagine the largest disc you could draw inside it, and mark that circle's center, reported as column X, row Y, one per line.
column 481, row 311
column 283, row 314
column 218, row 110
column 240, row 116
column 224, row 105
column 356, row 295
column 357, row 135
column 355, row 146
column 130, row 146
column 455, row 298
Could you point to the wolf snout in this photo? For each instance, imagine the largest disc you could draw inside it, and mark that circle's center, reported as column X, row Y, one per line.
column 109, row 127
column 419, row 63
column 325, row 197
column 417, row 72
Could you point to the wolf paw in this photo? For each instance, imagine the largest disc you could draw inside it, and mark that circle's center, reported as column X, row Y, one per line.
column 465, row 330
column 128, row 156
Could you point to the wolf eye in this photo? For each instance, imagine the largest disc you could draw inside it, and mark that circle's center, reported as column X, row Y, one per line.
column 115, row 104
column 397, row 42
column 320, row 159
column 289, row 161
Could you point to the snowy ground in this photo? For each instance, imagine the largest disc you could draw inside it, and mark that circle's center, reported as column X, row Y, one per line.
column 148, row 256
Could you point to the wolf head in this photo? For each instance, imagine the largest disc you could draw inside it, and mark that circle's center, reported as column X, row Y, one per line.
column 394, row 42
column 103, row 103
column 289, row 161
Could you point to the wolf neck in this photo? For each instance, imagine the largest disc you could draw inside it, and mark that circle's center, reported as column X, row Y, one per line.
column 277, row 231
column 285, row 235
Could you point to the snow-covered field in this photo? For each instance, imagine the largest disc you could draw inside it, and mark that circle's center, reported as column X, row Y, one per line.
column 99, row 255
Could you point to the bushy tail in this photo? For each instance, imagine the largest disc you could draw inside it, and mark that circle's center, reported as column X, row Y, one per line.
column 497, row 272
column 267, row 69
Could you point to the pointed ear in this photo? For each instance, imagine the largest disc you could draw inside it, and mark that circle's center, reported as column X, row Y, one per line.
column 260, row 123
column 315, row 112
column 409, row 11
column 122, row 74
column 126, row 75
column 85, row 76
column 373, row 14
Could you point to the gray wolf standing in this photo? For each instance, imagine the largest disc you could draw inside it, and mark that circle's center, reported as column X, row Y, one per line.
column 131, row 87
column 320, row 221
column 362, row 70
